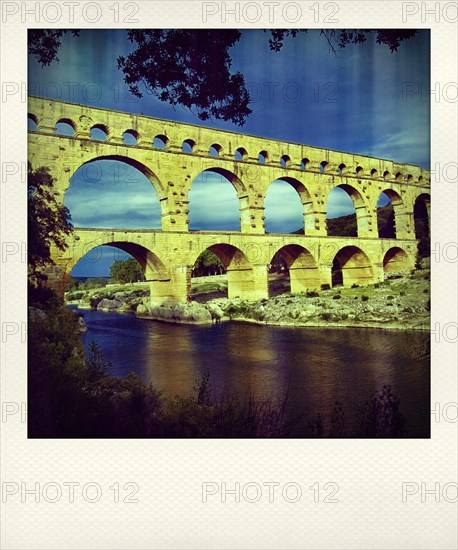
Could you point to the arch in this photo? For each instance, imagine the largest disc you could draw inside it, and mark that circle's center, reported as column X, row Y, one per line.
column 200, row 192
column 32, row 122
column 399, row 177
column 360, row 211
column 263, row 157
column 155, row 270
column 305, row 199
column 65, row 127
column 112, row 193
column 304, row 163
column 374, row 173
column 99, row 132
column 409, row 178
column 323, row 166
column 160, row 141
column 302, row 268
column 395, row 259
column 422, row 224
column 188, row 146
column 386, row 175
column 153, row 267
column 241, row 154
column 215, row 150
column 237, row 183
column 420, row 179
column 130, row 137
column 153, row 178
column 342, row 169
column 351, row 265
column 241, row 282
column 285, row 161
column 391, row 218
column 359, row 172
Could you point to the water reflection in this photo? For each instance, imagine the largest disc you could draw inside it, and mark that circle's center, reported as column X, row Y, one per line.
column 318, row 366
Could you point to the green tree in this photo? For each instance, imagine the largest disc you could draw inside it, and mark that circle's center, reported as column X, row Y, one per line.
column 48, row 223
column 208, row 263
column 192, row 68
column 126, row 271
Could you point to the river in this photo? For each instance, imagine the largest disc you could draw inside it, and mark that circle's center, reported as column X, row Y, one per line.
column 318, row 366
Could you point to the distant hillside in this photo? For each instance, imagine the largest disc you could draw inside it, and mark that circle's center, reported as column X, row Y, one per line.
column 345, row 226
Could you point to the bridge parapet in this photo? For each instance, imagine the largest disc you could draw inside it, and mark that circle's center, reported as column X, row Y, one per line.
column 47, row 113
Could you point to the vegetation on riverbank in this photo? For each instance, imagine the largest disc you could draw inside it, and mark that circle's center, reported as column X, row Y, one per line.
column 397, row 303
column 73, row 396
column 400, row 302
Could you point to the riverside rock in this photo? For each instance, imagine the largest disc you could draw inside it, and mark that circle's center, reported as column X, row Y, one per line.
column 191, row 312
column 109, row 305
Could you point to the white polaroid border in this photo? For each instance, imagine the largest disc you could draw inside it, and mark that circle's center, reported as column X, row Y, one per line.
column 391, row 494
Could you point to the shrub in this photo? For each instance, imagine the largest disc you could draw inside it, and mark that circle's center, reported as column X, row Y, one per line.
column 377, row 285
column 326, row 316
column 364, row 298
column 426, row 291
column 312, row 294
column 325, row 286
column 337, row 297
column 354, row 285
column 390, row 297
column 402, row 293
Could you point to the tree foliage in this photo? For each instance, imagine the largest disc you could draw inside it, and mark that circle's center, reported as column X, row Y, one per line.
column 192, row 67
column 340, row 38
column 45, row 44
column 206, row 264
column 48, row 222
column 126, row 271
column 189, row 68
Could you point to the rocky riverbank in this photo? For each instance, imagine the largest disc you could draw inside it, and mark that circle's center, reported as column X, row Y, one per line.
column 402, row 302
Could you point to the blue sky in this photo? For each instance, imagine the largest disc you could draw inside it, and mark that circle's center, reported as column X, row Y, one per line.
column 350, row 102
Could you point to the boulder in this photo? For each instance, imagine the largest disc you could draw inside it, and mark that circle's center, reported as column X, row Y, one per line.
column 191, row 312
column 107, row 304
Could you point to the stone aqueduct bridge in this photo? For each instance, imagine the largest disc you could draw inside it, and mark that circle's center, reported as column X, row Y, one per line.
column 251, row 164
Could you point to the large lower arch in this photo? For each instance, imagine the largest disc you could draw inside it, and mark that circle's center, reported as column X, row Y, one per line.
column 396, row 260
column 361, row 211
column 305, row 199
column 162, row 289
column 303, row 270
column 243, row 281
column 206, row 177
column 352, row 266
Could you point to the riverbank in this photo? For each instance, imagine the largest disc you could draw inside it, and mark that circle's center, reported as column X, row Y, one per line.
column 399, row 303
